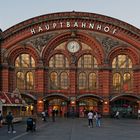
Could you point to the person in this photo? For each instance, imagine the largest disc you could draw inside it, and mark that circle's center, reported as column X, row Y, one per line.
column 117, row 114
column 1, row 118
column 43, row 116
column 31, row 124
column 98, row 119
column 90, row 119
column 53, row 115
column 9, row 120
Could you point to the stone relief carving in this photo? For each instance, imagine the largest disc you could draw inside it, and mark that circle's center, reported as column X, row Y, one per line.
column 40, row 42
column 109, row 43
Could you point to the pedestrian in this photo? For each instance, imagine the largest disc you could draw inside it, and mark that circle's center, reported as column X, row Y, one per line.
column 53, row 115
column 90, row 119
column 9, row 120
column 117, row 114
column 43, row 116
column 1, row 118
column 98, row 119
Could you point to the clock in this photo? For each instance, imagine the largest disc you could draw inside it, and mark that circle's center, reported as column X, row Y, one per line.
column 73, row 46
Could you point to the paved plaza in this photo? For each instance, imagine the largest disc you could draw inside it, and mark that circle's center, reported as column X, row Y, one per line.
column 76, row 129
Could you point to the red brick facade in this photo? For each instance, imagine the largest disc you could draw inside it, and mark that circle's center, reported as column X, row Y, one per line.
column 39, row 36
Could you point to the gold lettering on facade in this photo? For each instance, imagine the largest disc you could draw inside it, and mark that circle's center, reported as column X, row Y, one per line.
column 40, row 29
column 75, row 24
column 33, row 31
column 68, row 24
column 83, row 25
column 47, row 27
column 99, row 27
column 91, row 25
column 106, row 29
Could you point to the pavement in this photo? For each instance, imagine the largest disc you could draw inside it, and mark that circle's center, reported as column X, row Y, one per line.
column 76, row 129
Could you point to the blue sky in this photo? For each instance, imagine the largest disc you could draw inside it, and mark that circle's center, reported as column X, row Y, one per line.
column 16, row 11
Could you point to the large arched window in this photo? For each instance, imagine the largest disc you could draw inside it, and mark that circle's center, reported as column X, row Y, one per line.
column 58, row 67
column 87, row 61
column 117, row 81
column 122, row 73
column 87, row 69
column 54, row 80
column 24, row 66
column 58, row 61
column 92, row 81
column 30, row 81
column 82, row 81
column 64, row 80
column 20, row 80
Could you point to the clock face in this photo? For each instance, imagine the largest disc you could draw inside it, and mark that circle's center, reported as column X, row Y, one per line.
column 73, row 46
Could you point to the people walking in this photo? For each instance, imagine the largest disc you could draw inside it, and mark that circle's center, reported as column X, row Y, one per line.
column 43, row 116
column 1, row 118
column 53, row 115
column 90, row 119
column 117, row 115
column 98, row 119
column 9, row 120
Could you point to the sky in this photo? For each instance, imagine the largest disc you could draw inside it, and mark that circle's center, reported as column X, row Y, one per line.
column 15, row 11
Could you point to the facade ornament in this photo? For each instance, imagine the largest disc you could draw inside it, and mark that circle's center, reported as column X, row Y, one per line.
column 73, row 59
column 108, row 43
column 39, row 42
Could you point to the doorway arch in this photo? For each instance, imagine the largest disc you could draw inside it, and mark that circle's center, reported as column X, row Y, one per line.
column 57, row 102
column 89, row 102
column 126, row 104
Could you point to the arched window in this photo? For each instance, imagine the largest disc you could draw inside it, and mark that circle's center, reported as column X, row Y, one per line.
column 127, row 81
column 20, row 80
column 64, row 80
column 25, row 63
column 87, row 61
column 92, row 81
column 54, row 80
column 58, row 67
column 87, row 68
column 116, row 81
column 82, row 81
column 122, row 61
column 29, row 80
column 122, row 73
column 58, row 61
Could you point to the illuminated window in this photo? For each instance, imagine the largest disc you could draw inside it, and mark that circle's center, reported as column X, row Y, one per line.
column 122, row 61
column 58, row 61
column 25, row 60
column 122, row 73
column 82, row 81
column 92, row 81
column 127, row 81
column 20, row 80
column 58, row 67
column 54, row 80
column 87, row 61
column 64, row 80
column 25, row 79
column 117, row 81
column 29, row 80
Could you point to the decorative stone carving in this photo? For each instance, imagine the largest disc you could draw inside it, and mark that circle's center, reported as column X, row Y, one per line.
column 39, row 42
column 73, row 59
column 108, row 44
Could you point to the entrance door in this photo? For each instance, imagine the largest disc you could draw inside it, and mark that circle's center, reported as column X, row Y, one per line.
column 59, row 105
column 87, row 104
column 127, row 108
